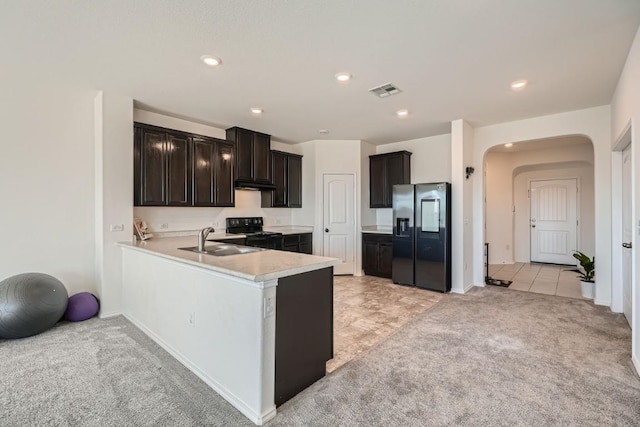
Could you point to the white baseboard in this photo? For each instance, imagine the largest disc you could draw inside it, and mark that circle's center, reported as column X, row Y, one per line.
column 463, row 291
column 258, row 419
column 102, row 315
column 636, row 364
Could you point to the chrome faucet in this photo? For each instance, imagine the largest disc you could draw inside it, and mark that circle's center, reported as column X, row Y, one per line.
column 202, row 237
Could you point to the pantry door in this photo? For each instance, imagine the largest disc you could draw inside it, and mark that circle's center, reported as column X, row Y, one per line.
column 554, row 220
column 339, row 221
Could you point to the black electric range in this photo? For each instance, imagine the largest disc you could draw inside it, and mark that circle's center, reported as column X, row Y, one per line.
column 252, row 228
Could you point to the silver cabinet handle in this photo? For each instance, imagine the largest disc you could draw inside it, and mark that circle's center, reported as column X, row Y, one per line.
column 627, row 245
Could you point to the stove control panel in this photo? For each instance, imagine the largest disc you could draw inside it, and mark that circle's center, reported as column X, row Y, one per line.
column 245, row 222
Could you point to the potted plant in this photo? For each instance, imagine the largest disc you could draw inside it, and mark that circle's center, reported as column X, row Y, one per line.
column 587, row 273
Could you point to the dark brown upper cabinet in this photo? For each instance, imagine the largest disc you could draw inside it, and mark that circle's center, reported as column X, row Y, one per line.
column 213, row 164
column 162, row 167
column 385, row 171
column 173, row 168
column 286, row 171
column 253, row 156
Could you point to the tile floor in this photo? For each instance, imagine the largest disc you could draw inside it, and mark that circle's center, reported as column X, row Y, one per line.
column 547, row 279
column 368, row 309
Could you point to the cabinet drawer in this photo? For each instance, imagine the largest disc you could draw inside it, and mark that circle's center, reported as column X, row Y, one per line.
column 376, row 238
column 290, row 239
column 306, row 238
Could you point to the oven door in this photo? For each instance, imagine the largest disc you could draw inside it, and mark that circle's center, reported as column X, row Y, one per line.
column 267, row 242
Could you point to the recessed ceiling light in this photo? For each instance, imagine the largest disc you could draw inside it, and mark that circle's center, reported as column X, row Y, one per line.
column 508, row 145
column 211, row 60
column 343, row 77
column 323, row 131
column 518, row 84
column 256, row 110
column 402, row 113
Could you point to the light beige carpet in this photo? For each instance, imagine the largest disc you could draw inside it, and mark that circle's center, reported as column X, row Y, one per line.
column 489, row 358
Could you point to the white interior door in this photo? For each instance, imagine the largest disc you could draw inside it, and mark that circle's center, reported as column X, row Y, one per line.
column 339, row 221
column 627, row 232
column 554, row 220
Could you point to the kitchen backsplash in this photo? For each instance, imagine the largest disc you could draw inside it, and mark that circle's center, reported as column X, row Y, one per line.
column 181, row 220
column 384, row 217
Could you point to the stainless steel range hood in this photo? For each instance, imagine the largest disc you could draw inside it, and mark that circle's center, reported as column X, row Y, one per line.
column 250, row 185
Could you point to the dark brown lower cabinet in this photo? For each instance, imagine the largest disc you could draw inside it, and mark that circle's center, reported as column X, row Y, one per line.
column 377, row 254
column 302, row 243
column 304, row 331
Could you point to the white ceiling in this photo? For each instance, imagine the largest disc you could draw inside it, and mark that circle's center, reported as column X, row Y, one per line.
column 452, row 59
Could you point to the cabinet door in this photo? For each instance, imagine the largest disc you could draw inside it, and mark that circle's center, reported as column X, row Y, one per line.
column 279, row 167
column 385, row 258
column 152, row 168
column 377, row 186
column 395, row 175
column 137, row 167
column 294, row 182
column 244, row 150
column 370, row 257
column 203, row 177
column 223, row 174
column 306, row 243
column 261, row 157
column 178, row 170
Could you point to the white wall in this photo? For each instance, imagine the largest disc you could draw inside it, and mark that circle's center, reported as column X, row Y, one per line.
column 170, row 220
column 114, row 193
column 625, row 111
column 594, row 123
column 324, row 157
column 430, row 162
column 47, row 191
column 498, row 209
column 462, row 141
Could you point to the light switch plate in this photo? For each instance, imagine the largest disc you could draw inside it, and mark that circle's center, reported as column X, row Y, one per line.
column 116, row 227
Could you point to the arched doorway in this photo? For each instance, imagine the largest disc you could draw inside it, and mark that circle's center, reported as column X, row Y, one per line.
column 515, row 177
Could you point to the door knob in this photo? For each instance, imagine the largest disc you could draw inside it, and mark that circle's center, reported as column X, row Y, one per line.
column 326, row 230
column 627, row 245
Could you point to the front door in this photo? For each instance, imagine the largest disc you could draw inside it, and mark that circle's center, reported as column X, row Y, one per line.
column 339, row 221
column 627, row 233
column 554, row 221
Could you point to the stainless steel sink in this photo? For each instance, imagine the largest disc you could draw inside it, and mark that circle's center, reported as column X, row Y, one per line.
column 223, row 250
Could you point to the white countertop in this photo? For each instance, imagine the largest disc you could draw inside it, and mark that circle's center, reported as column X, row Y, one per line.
column 257, row 266
column 377, row 229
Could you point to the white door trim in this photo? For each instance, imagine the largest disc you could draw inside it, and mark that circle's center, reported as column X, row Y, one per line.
column 627, row 254
column 355, row 213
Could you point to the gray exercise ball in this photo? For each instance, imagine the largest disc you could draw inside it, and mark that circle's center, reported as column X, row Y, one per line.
column 30, row 303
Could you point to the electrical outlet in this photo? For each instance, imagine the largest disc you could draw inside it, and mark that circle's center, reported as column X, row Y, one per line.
column 164, row 226
column 116, row 227
column 269, row 309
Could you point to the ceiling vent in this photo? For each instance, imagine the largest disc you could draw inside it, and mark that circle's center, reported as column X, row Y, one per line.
column 385, row 90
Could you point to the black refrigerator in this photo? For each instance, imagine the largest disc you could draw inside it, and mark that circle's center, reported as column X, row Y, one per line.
column 422, row 235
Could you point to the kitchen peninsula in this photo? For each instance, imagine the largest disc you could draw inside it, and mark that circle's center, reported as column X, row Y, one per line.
column 256, row 327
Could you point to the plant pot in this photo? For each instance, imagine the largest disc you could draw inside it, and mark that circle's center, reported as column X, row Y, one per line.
column 588, row 289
